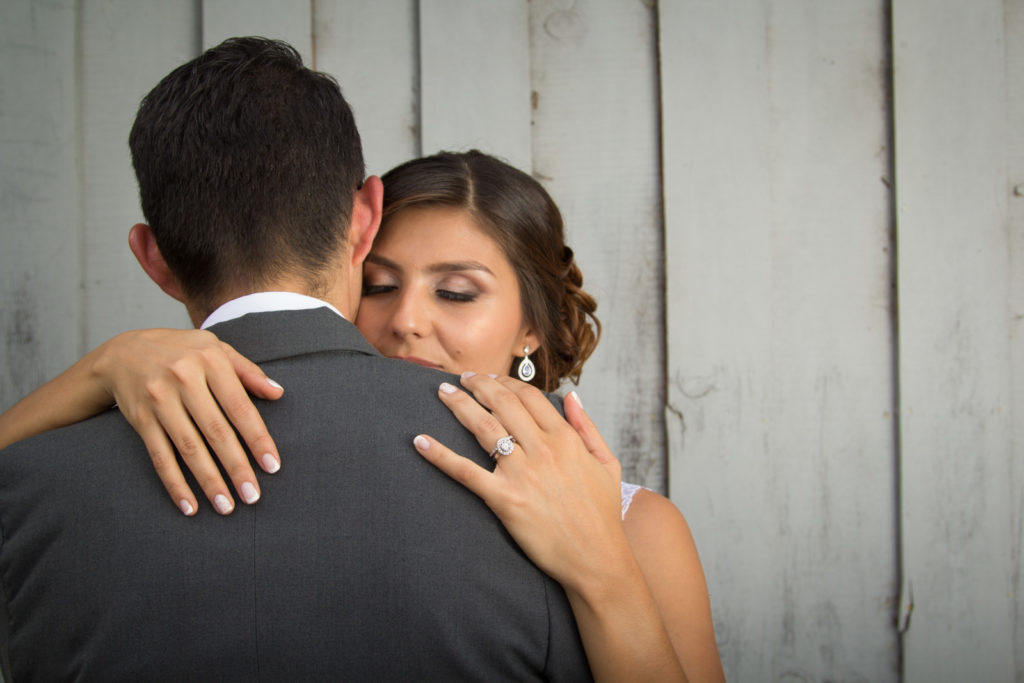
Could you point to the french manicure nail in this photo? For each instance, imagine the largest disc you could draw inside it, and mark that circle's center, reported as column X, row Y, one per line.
column 249, row 493
column 270, row 463
column 421, row 443
column 576, row 397
column 223, row 505
column 492, row 376
column 274, row 384
column 468, row 374
column 447, row 388
column 186, row 507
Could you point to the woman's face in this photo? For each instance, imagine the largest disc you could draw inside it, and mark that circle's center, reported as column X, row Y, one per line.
column 438, row 291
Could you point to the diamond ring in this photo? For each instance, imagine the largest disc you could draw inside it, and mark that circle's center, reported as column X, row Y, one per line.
column 504, row 446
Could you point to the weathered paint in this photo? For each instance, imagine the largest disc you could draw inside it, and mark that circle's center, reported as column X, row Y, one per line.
column 475, row 78
column 40, row 311
column 780, row 342
column 595, row 147
column 956, row 406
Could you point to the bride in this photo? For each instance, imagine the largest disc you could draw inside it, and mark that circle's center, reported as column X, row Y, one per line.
column 470, row 275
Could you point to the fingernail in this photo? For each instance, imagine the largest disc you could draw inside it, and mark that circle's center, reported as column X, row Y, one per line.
column 249, row 493
column 274, row 384
column 448, row 388
column 186, row 507
column 576, row 397
column 421, row 443
column 493, row 376
column 222, row 503
column 468, row 374
column 270, row 463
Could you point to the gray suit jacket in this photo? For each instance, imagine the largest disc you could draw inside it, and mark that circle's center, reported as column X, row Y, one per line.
column 360, row 562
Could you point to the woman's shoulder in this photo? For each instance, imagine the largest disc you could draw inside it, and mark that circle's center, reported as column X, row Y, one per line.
column 646, row 513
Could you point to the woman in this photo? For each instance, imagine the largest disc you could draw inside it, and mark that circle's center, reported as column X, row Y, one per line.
column 469, row 274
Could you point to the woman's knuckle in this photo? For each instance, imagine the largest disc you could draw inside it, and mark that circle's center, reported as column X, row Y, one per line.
column 189, row 446
column 218, row 431
column 489, row 423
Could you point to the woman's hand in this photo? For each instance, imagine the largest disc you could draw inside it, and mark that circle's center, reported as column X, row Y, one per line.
column 177, row 387
column 558, row 492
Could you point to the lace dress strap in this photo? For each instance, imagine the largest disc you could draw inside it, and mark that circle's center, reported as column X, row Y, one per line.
column 628, row 491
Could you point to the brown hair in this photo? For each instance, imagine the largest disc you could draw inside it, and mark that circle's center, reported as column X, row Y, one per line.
column 516, row 211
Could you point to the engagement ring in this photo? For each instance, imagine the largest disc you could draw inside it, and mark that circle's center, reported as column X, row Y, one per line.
column 504, row 446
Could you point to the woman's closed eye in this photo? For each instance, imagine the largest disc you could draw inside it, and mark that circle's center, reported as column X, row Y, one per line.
column 459, row 297
column 369, row 288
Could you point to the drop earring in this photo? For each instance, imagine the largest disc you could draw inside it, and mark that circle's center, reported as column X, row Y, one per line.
column 526, row 370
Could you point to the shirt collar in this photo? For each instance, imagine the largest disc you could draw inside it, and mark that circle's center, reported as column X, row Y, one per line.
column 262, row 302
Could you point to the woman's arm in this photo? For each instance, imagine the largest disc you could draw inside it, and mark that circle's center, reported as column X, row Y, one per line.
column 664, row 548
column 558, row 494
column 170, row 385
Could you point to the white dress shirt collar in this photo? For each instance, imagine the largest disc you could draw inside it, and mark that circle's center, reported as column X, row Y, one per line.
column 262, row 302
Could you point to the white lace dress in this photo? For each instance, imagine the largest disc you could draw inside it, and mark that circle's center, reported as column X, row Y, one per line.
column 628, row 491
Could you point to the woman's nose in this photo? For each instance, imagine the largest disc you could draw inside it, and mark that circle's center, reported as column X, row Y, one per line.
column 410, row 317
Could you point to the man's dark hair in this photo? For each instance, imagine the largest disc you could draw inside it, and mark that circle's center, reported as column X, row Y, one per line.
column 247, row 164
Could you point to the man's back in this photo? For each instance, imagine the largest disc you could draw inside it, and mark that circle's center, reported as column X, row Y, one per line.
column 360, row 561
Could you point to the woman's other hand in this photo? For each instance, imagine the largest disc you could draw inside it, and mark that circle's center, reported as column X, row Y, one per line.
column 558, row 492
column 179, row 387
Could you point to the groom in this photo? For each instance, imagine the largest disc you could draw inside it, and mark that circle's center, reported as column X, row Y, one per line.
column 362, row 561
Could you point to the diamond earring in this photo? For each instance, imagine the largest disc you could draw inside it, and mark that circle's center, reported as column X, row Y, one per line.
column 526, row 371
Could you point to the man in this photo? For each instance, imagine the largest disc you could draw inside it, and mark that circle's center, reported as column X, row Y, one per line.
column 363, row 561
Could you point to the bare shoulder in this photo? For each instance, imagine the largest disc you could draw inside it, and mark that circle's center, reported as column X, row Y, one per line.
column 653, row 518
column 663, row 545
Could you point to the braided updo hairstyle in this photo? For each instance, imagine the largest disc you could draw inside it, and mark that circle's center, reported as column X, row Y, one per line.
column 514, row 210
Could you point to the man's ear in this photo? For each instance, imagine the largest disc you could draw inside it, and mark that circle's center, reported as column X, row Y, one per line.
column 147, row 253
column 366, row 214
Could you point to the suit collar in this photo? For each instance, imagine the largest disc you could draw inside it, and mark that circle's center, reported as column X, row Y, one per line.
column 280, row 334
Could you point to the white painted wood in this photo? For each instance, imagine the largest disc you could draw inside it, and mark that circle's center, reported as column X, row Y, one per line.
column 371, row 48
column 289, row 20
column 40, row 314
column 595, row 145
column 475, row 77
column 955, row 330
column 777, row 230
column 1013, row 17
column 126, row 48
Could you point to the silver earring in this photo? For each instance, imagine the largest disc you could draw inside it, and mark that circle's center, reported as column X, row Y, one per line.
column 526, row 368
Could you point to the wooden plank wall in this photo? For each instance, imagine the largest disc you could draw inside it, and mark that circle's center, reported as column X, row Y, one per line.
column 960, row 501
column 727, row 175
column 779, row 303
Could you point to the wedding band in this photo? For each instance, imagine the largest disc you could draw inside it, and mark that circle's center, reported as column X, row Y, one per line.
column 504, row 446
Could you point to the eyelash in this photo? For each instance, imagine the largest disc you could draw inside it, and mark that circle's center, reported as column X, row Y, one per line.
column 459, row 297
column 447, row 294
column 370, row 290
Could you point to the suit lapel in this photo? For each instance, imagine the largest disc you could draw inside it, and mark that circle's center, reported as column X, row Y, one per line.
column 281, row 334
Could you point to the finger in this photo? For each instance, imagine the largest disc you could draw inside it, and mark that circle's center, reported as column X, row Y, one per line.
column 538, row 404
column 485, row 427
column 243, row 414
column 507, row 406
column 190, row 446
column 223, row 441
column 165, row 462
column 252, row 376
column 463, row 470
column 585, row 427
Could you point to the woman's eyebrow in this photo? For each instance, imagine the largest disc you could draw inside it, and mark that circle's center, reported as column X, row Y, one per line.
column 456, row 266
column 446, row 267
column 381, row 261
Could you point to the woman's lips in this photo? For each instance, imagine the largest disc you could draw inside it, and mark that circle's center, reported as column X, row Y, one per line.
column 419, row 361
